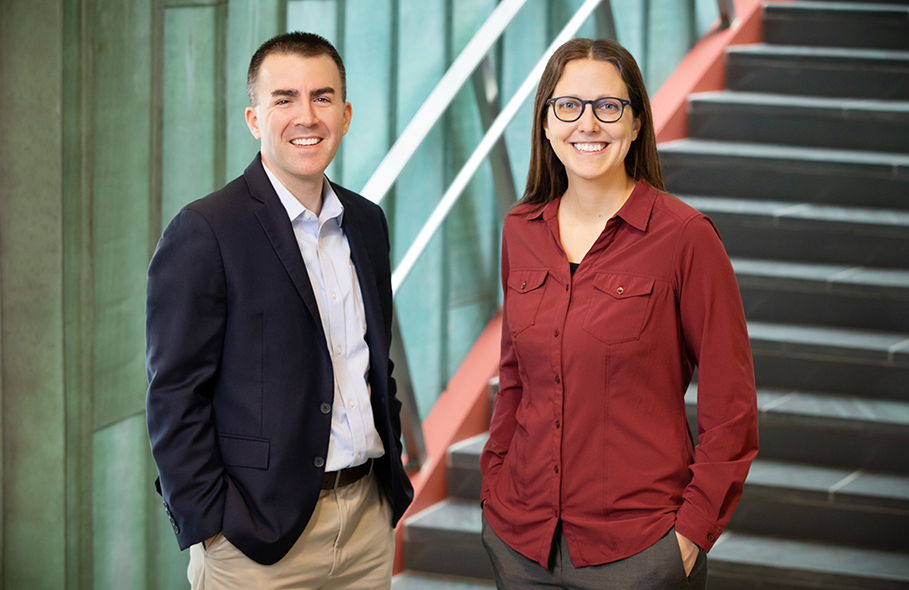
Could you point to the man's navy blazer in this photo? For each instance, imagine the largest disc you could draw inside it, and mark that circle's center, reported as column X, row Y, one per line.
column 240, row 378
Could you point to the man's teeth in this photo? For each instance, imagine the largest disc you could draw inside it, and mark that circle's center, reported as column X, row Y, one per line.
column 589, row 147
column 310, row 141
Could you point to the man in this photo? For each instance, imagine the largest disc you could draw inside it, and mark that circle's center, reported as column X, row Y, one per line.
column 271, row 409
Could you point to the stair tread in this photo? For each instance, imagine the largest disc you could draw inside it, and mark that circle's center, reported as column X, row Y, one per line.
column 820, row 53
column 819, row 558
column 829, row 277
column 874, row 218
column 840, row 106
column 837, row 9
column 890, row 348
column 834, row 484
column 408, row 580
column 889, row 160
column 861, row 411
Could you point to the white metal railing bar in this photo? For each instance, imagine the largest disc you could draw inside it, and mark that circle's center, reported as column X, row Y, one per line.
column 439, row 99
column 489, row 139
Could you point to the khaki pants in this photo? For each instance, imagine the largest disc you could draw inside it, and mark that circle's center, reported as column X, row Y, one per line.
column 347, row 544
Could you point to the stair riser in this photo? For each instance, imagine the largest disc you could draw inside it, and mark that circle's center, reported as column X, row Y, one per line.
column 798, row 241
column 825, row 442
column 769, row 303
column 807, row 516
column 725, row 575
column 823, row 129
column 802, row 372
column 443, row 552
column 465, row 482
column 878, row 30
column 756, row 72
column 778, row 180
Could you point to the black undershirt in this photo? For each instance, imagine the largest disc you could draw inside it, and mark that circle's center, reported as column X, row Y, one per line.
column 574, row 267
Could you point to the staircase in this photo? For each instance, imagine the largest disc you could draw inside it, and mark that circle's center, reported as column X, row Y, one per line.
column 803, row 164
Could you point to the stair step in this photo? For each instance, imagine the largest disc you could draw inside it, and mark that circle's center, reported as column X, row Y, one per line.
column 839, row 360
column 446, row 537
column 829, row 429
column 837, row 505
column 823, row 294
column 419, row 581
column 741, row 561
column 464, row 479
column 786, row 173
column 853, row 124
column 818, row 71
column 837, row 24
column 807, row 232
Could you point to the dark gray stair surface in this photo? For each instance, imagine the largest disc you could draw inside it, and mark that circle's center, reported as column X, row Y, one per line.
column 423, row 581
column 741, row 561
column 841, row 123
column 843, row 506
column 824, row 294
column 445, row 539
column 828, row 358
column 826, row 429
column 837, row 24
column 808, row 232
column 786, row 173
column 819, row 71
column 464, row 479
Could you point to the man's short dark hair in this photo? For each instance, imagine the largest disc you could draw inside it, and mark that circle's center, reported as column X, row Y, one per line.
column 295, row 43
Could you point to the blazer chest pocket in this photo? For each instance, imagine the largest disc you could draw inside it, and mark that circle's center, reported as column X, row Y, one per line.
column 241, row 451
column 525, row 294
column 618, row 307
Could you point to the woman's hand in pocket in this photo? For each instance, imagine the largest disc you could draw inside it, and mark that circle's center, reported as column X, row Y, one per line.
column 689, row 552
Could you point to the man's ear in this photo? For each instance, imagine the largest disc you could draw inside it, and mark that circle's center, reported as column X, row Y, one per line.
column 252, row 121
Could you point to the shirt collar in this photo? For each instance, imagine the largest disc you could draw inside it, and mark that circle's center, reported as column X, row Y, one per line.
column 635, row 212
column 331, row 205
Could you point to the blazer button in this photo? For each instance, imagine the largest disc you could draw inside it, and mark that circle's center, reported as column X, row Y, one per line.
column 319, row 462
column 325, row 407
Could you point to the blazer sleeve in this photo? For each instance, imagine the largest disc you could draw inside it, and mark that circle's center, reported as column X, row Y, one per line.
column 185, row 324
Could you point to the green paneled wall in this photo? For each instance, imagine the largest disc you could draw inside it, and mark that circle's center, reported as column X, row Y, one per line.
column 115, row 114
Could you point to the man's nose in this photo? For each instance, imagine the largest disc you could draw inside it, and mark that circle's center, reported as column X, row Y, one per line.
column 305, row 114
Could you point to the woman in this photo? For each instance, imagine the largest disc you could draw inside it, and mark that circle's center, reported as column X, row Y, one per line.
column 614, row 292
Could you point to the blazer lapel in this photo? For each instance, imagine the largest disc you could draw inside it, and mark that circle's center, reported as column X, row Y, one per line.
column 277, row 226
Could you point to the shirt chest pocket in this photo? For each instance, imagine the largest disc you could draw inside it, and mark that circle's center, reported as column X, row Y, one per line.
column 522, row 302
column 618, row 307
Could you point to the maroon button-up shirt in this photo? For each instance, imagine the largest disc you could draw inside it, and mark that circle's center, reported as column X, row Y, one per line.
column 589, row 424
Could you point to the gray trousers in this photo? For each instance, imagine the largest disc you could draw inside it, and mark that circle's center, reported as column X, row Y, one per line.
column 658, row 567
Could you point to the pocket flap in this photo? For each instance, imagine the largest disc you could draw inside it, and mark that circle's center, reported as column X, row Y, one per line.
column 240, row 451
column 623, row 286
column 524, row 281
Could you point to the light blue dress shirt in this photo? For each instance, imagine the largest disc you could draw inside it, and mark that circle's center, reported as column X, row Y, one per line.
column 326, row 254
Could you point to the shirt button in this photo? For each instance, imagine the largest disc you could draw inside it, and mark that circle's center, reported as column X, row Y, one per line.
column 334, row 295
column 325, row 407
column 338, row 349
column 620, row 290
column 351, row 403
column 566, row 287
column 319, row 462
column 359, row 455
column 558, row 379
column 556, row 468
column 556, row 333
column 558, row 424
column 524, row 284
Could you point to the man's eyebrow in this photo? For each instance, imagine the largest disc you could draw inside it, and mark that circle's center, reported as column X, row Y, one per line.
column 285, row 92
column 321, row 91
